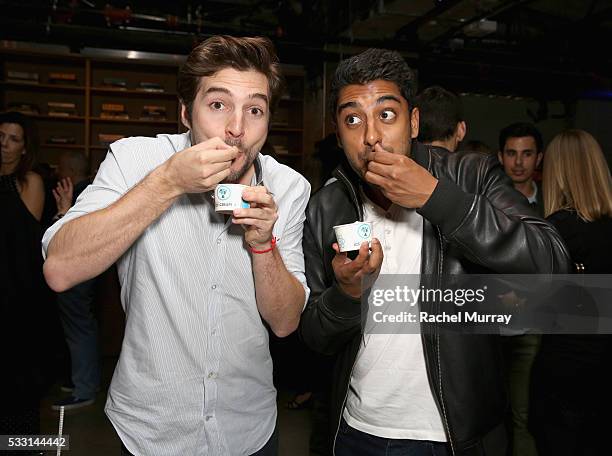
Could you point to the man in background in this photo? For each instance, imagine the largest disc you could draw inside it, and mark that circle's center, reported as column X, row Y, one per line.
column 520, row 153
column 76, row 304
column 441, row 118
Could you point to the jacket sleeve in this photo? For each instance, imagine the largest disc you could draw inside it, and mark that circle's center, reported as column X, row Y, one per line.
column 495, row 226
column 331, row 318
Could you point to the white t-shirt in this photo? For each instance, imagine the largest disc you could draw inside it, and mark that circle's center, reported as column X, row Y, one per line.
column 389, row 394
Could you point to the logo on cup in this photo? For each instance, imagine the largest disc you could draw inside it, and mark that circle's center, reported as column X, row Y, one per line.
column 223, row 192
column 364, row 231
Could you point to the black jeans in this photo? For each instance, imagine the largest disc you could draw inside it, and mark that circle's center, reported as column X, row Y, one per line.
column 351, row 442
column 269, row 449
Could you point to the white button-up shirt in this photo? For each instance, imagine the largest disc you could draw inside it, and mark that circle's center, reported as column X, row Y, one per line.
column 195, row 374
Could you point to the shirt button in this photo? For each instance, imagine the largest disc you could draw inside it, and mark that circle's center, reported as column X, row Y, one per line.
column 213, row 332
column 208, row 417
column 214, row 287
column 211, row 375
column 218, row 241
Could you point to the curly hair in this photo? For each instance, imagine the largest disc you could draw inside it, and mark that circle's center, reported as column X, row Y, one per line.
column 371, row 65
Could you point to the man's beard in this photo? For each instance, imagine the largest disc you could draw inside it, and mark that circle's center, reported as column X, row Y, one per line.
column 360, row 163
column 249, row 158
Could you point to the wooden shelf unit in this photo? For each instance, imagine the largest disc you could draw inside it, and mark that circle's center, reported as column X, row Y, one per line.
column 88, row 92
column 35, row 86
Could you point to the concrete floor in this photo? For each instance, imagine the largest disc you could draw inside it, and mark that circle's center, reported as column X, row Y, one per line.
column 91, row 434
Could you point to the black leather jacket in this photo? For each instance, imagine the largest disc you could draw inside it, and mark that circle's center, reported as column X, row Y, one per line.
column 473, row 222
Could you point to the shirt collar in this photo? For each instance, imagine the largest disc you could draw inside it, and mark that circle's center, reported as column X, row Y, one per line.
column 258, row 177
column 534, row 197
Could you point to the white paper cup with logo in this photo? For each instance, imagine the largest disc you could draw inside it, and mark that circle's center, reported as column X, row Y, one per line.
column 229, row 197
column 352, row 235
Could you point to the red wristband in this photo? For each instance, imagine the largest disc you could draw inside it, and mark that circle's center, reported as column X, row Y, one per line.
column 272, row 245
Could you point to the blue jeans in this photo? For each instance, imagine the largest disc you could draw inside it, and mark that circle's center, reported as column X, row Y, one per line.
column 351, row 442
column 81, row 333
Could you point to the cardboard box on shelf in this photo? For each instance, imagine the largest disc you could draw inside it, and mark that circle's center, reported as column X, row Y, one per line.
column 63, row 78
column 114, row 82
column 22, row 76
column 150, row 87
column 61, row 109
column 24, row 108
column 107, row 138
column 61, row 140
column 115, row 107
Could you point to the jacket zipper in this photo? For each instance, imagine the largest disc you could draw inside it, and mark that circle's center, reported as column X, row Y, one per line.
column 348, row 183
column 343, row 404
column 443, row 407
column 442, row 404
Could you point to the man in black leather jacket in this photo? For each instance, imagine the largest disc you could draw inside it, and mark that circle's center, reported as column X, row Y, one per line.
column 469, row 219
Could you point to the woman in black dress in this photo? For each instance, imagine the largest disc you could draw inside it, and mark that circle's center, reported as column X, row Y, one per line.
column 570, row 403
column 24, row 298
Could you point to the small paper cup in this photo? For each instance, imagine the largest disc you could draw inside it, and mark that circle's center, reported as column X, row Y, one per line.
column 229, row 197
column 351, row 235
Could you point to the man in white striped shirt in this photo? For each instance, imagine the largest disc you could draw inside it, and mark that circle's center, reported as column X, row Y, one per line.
column 195, row 374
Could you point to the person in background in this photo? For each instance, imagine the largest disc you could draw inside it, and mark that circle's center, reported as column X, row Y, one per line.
column 520, row 153
column 76, row 304
column 25, row 301
column 49, row 177
column 329, row 155
column 19, row 143
column 475, row 145
column 572, row 374
column 441, row 121
column 72, row 178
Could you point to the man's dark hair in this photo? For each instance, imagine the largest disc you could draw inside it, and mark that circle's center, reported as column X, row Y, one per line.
column 475, row 145
column 520, row 130
column 372, row 65
column 439, row 113
column 241, row 54
column 77, row 162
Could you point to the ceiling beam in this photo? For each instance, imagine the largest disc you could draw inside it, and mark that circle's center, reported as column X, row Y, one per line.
column 409, row 30
column 505, row 6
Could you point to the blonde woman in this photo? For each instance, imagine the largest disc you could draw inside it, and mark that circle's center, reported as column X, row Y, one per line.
column 570, row 401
